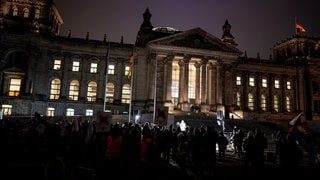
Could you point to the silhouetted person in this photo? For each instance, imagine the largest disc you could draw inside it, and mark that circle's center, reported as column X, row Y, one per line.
column 290, row 154
column 222, row 145
column 260, row 143
column 248, row 146
column 238, row 143
column 209, row 156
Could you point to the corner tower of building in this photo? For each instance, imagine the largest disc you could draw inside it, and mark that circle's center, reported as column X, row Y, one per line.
column 35, row 16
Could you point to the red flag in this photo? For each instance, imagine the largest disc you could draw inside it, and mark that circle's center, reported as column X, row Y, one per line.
column 299, row 27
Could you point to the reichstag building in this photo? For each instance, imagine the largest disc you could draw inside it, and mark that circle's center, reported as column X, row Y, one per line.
column 173, row 73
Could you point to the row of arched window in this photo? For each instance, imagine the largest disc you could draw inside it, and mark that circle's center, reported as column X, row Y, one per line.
column 91, row 91
column 264, row 102
column 25, row 12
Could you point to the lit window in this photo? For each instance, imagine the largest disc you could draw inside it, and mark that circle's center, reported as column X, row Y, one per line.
column 50, row 111
column 89, row 112
column 126, row 70
column 288, row 104
column 25, row 12
column 57, row 64
column 277, row 84
column 125, row 94
column 263, row 103
column 14, row 87
column 74, row 90
column 276, row 103
column 251, row 101
column 264, row 83
column 192, row 82
column 15, row 11
column 6, row 109
column 238, row 99
column 251, row 81
column 92, row 91
column 109, row 93
column 93, row 68
column 111, row 69
column 75, row 66
column 55, row 89
column 238, row 81
column 70, row 112
column 37, row 13
column 289, row 85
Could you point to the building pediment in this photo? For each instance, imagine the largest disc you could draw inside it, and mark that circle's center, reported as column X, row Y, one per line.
column 197, row 39
column 13, row 70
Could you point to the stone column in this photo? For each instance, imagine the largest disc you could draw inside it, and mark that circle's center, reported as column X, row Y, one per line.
column 197, row 100
column 213, row 85
column 270, row 88
column 203, row 81
column 258, row 80
column 119, row 80
column 168, row 82
column 244, row 97
column 183, row 84
column 186, row 79
column 181, row 81
column 161, row 79
column 152, row 73
column 218, row 85
column 186, row 105
column 283, row 98
column 209, row 84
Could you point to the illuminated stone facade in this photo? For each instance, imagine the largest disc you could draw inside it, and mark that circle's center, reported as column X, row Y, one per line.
column 190, row 72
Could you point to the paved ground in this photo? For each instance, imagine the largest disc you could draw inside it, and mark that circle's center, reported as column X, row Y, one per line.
column 232, row 168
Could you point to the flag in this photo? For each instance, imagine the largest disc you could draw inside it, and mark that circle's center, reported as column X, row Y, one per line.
column 295, row 124
column 300, row 131
column 294, row 120
column 298, row 128
column 131, row 62
column 299, row 27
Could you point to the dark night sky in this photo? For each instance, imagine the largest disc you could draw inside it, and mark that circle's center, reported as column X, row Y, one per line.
column 255, row 24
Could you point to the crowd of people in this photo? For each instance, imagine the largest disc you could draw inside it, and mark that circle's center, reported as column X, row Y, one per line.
column 110, row 149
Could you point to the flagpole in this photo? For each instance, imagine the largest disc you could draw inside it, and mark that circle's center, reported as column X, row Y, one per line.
column 155, row 92
column 130, row 106
column 131, row 84
column 106, row 78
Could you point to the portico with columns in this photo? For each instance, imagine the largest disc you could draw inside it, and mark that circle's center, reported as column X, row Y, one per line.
column 186, row 82
column 185, row 72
